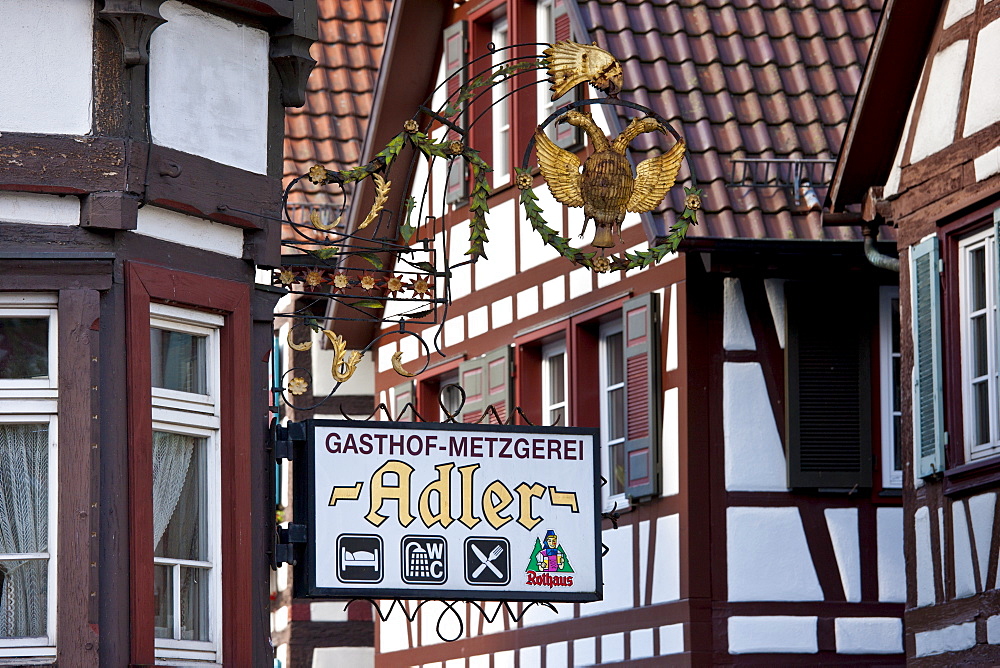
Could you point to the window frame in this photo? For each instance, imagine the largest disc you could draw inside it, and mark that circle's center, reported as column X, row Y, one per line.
column 198, row 415
column 984, row 238
column 145, row 284
column 889, row 381
column 550, row 351
column 501, row 125
column 36, row 401
column 606, row 330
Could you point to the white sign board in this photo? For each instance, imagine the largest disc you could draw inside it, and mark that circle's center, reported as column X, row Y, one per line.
column 451, row 511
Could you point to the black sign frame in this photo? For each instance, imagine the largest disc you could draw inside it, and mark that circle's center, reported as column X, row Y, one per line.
column 304, row 495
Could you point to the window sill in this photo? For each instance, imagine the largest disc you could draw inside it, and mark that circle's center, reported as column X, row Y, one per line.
column 971, row 477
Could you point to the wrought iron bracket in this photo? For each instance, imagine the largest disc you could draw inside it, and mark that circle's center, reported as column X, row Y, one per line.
column 285, row 440
column 286, row 540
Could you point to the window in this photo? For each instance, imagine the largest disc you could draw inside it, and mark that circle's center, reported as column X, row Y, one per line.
column 553, row 25
column 977, row 260
column 28, row 437
column 612, row 383
column 892, row 465
column 554, row 384
column 501, row 140
column 184, row 354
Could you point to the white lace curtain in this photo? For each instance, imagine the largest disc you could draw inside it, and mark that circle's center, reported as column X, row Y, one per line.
column 24, row 528
column 172, row 455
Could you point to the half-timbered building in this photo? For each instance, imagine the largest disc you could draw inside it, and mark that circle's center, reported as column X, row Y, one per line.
column 139, row 180
column 745, row 388
column 921, row 154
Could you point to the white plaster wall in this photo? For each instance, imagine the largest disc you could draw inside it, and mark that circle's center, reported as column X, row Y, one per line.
column 208, row 87
column 736, row 332
column 190, row 231
column 581, row 282
column 531, row 656
column 608, row 278
column 891, row 568
column 36, row 209
column 778, row 633
column 892, row 183
column 775, row 288
column 843, row 526
column 993, row 630
column 502, row 311
column 671, row 325
column 532, row 251
column 869, row 635
column 503, row 659
column 501, row 249
column 981, row 509
column 618, row 573
column 479, row 321
column 951, row 639
column 461, row 277
column 584, row 652
column 667, row 565
column 936, row 127
column 644, row 527
column 958, row 9
column 362, row 381
column 925, row 563
column 613, row 647
column 540, row 614
column 965, row 579
column 479, row 661
column 527, row 302
column 553, row 292
column 337, row 657
column 672, row 639
column 454, row 331
column 987, row 164
column 670, row 443
column 328, row 611
column 46, row 85
column 557, row 654
column 641, row 644
column 385, row 356
column 768, row 556
column 392, row 635
column 983, row 107
column 755, row 458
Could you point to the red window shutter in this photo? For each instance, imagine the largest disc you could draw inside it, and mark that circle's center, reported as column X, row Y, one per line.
column 486, row 381
column 564, row 135
column 454, row 62
column 641, row 325
column 560, row 20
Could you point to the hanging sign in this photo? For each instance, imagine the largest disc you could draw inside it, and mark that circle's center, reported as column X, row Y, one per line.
column 450, row 511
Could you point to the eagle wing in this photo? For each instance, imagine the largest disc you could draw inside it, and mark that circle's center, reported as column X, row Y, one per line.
column 560, row 168
column 654, row 177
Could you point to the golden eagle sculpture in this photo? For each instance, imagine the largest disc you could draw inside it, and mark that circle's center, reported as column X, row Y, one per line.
column 570, row 64
column 606, row 187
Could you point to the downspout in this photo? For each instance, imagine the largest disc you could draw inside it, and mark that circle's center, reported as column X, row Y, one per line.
column 877, row 259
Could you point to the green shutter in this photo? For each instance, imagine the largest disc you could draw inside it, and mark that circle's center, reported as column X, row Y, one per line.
column 454, row 61
column 486, row 381
column 928, row 419
column 641, row 328
column 828, row 386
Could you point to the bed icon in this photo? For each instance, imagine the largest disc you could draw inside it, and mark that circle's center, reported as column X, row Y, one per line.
column 359, row 558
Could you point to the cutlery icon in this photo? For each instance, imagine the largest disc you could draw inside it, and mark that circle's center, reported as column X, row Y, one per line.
column 487, row 562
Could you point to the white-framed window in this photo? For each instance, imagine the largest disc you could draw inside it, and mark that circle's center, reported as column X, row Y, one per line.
column 612, row 383
column 889, row 356
column 501, row 108
column 187, row 582
column 29, row 394
column 977, row 258
column 554, row 384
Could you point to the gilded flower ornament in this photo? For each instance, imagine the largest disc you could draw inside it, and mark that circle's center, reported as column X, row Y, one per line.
column 692, row 202
column 601, row 264
column 313, row 278
column 394, row 284
column 368, row 282
column 523, row 181
column 287, row 277
column 411, row 126
column 318, row 174
column 421, row 287
column 341, row 281
column 456, row 147
column 298, row 386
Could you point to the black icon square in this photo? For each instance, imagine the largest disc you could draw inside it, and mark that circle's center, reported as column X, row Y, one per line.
column 359, row 558
column 487, row 561
column 424, row 559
